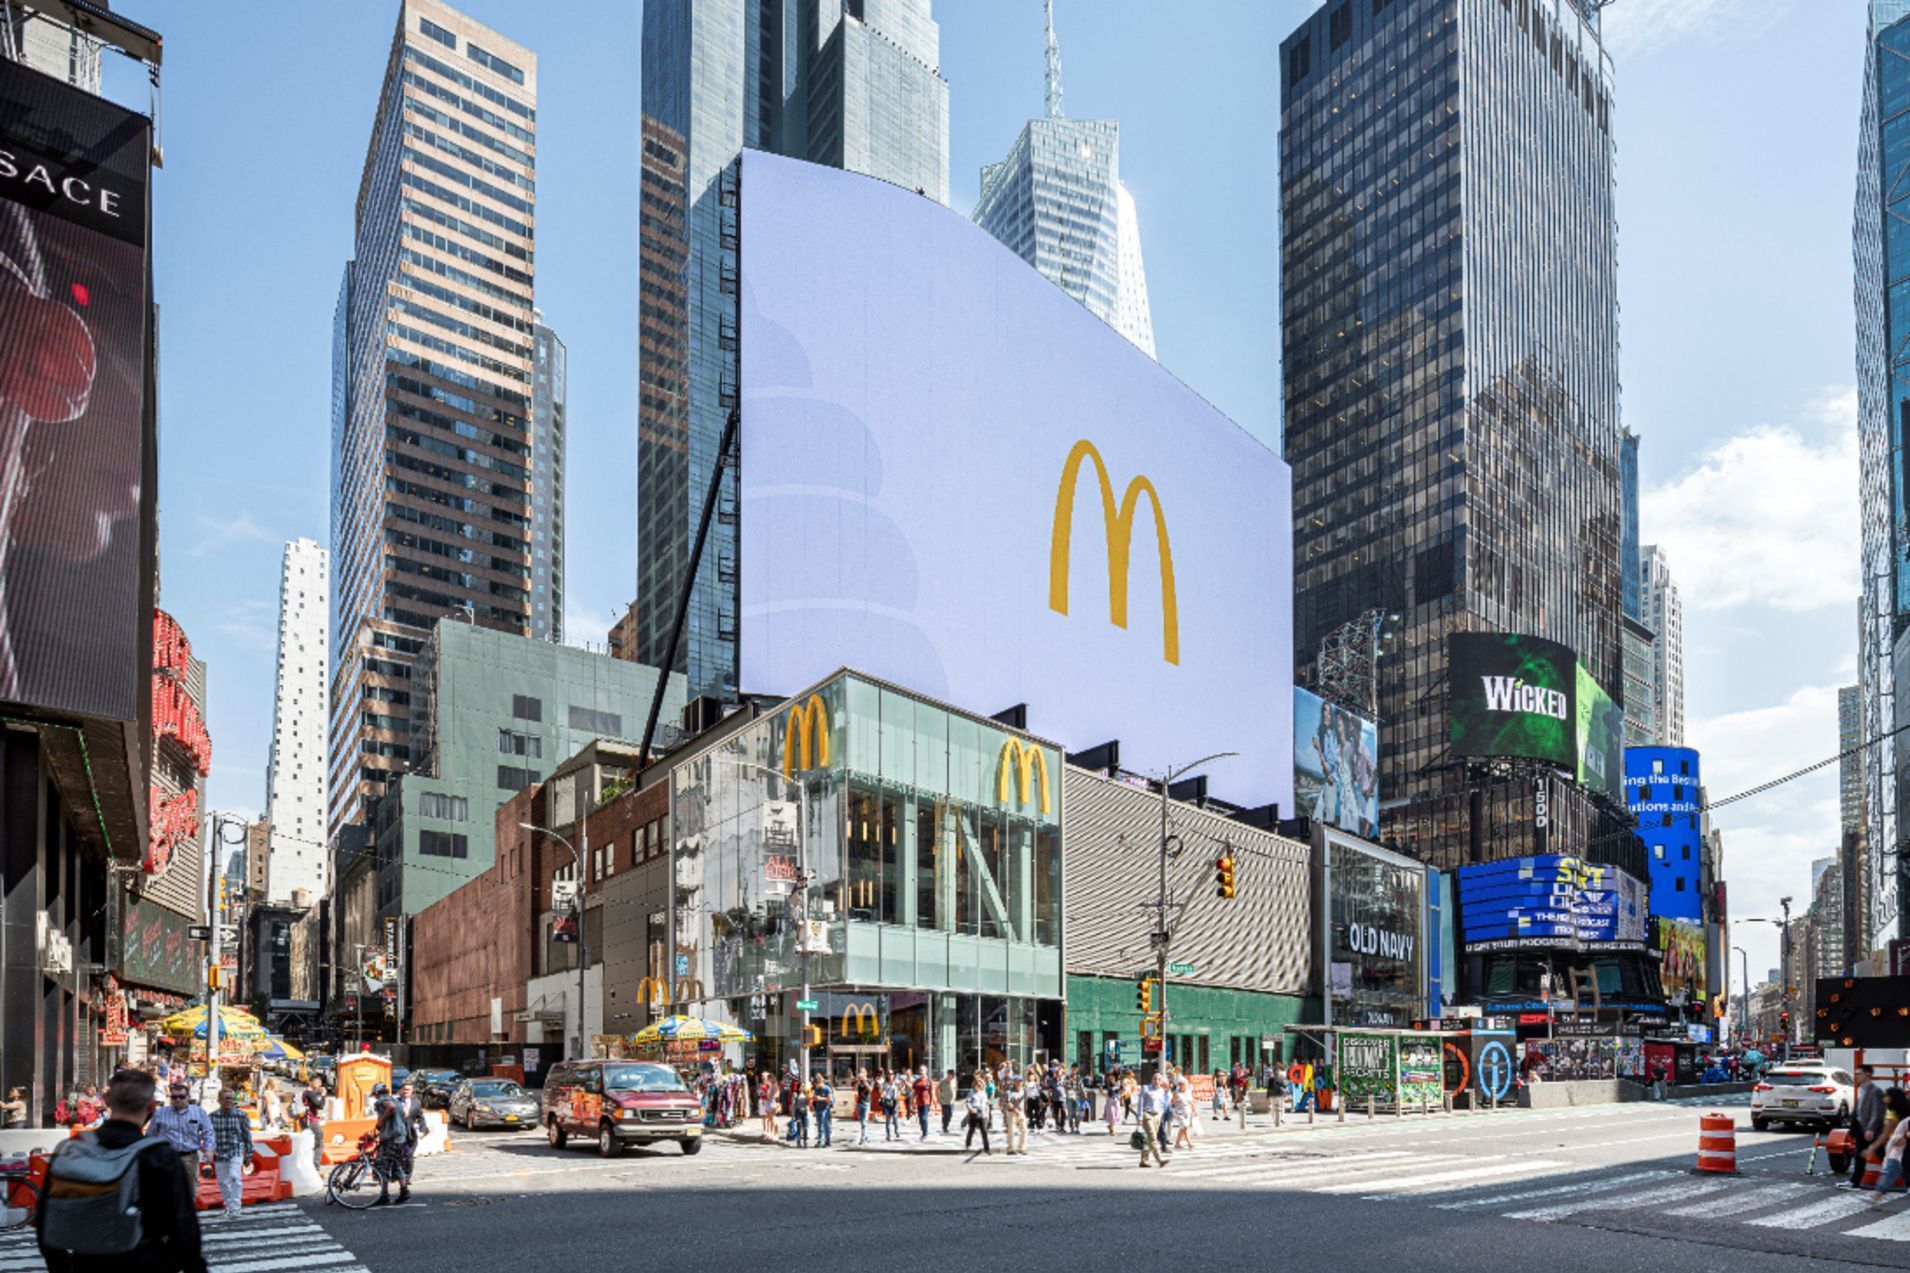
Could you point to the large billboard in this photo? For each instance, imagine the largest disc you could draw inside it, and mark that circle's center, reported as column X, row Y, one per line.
column 1513, row 696
column 74, row 341
column 1663, row 788
column 1335, row 765
column 1550, row 900
column 956, row 478
column 1600, row 727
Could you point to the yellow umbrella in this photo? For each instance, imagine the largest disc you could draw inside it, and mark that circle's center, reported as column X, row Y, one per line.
column 234, row 1023
column 690, row 1030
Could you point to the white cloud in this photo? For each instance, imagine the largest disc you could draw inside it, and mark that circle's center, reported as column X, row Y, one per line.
column 1769, row 516
column 224, row 532
column 1638, row 27
column 253, row 624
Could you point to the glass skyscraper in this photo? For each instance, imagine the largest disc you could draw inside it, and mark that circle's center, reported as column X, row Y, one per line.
column 1880, row 248
column 1058, row 201
column 548, row 390
column 432, row 371
column 1450, row 347
column 851, row 83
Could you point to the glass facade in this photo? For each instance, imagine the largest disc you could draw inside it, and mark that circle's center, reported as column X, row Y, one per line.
column 1450, row 355
column 932, row 846
column 1376, row 930
column 549, row 390
column 855, row 86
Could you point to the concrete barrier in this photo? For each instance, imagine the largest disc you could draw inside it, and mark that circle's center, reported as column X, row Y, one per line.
column 437, row 1137
column 296, row 1169
column 1564, row 1095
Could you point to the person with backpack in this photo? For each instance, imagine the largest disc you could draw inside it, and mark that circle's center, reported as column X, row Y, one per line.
column 117, row 1200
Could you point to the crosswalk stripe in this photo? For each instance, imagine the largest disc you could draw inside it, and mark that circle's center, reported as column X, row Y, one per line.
column 1290, row 1165
column 289, row 1262
column 1428, row 1162
column 1589, row 1186
column 1892, row 1228
column 1746, row 1200
column 1835, row 1207
column 1438, row 1182
column 1662, row 1193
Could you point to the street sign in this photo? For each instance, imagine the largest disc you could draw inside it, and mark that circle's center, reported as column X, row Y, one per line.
column 805, row 1005
column 1181, row 970
column 1152, row 1044
column 199, row 932
column 521, row 1015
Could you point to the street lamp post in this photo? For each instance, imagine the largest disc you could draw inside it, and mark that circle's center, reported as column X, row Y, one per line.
column 1783, row 927
column 1162, row 933
column 1744, row 1003
column 802, row 882
column 583, row 941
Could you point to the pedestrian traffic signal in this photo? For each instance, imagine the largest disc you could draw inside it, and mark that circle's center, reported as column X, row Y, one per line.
column 1224, row 876
column 1144, row 996
column 812, row 1036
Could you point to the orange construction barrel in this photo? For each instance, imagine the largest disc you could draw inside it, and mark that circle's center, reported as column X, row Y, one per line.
column 1718, row 1145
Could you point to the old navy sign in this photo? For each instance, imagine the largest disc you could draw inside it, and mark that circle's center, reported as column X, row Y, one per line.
column 1365, row 939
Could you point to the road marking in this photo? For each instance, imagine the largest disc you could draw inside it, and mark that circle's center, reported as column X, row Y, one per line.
column 1744, row 1200
column 1437, row 1183
column 290, row 1262
column 1294, row 1165
column 1431, row 1162
column 1894, row 1227
column 1593, row 1186
column 1663, row 1193
column 1835, row 1207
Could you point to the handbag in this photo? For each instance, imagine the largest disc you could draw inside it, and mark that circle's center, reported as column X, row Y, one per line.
column 1137, row 1142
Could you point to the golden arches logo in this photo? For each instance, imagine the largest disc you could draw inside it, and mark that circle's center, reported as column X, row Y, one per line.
column 865, row 1020
column 653, row 993
column 1023, row 761
column 1120, row 537
column 808, row 722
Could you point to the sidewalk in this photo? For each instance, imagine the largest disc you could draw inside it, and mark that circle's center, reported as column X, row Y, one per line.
column 843, row 1134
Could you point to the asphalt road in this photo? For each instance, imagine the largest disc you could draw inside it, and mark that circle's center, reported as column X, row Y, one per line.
column 1606, row 1188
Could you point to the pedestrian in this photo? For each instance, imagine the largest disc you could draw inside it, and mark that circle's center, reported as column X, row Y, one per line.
column 1220, row 1095
column 924, row 1093
column 1075, row 1093
column 798, row 1102
column 1186, row 1109
column 945, row 1095
column 1866, row 1122
column 1013, row 1095
column 1111, row 1105
column 91, row 1108
column 822, row 1100
column 312, row 1099
column 270, row 1109
column 1129, row 1090
column 890, row 1096
column 13, row 1112
column 865, row 1094
column 766, row 1103
column 231, row 1150
column 1155, row 1100
column 73, row 1239
column 186, row 1128
column 392, row 1136
column 411, row 1106
column 976, row 1119
column 1898, row 1103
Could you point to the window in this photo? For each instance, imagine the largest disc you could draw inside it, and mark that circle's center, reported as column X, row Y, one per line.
column 1658, row 851
column 1684, row 767
column 1681, row 883
column 443, row 844
column 1677, row 792
column 1644, row 793
column 497, row 64
column 1657, row 768
column 524, row 707
column 1667, row 819
column 591, row 721
column 512, row 743
column 1340, row 26
column 433, row 804
column 443, row 37
column 511, row 778
column 1687, row 853
column 1299, row 60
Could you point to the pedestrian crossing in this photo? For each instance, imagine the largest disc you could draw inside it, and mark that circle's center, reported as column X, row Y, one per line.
column 263, row 1239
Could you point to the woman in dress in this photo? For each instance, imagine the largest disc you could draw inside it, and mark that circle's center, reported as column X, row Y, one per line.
column 1111, row 1103
column 766, row 1102
column 1186, row 1110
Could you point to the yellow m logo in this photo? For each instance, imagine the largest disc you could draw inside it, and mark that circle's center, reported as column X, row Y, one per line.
column 653, row 993
column 1023, row 760
column 864, row 1019
column 808, row 722
column 1120, row 534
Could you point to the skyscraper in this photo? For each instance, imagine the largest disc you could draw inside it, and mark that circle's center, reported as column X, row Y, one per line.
column 295, row 773
column 433, row 364
column 547, row 498
column 856, row 85
column 1664, row 613
column 1058, row 201
column 1450, row 358
column 55, row 48
column 1850, row 764
column 1880, row 235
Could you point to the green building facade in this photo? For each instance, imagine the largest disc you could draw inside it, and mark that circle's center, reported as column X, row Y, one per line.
column 1210, row 1027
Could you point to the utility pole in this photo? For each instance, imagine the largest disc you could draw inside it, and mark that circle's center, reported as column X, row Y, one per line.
column 215, row 970
column 583, row 943
column 801, row 891
column 1163, row 931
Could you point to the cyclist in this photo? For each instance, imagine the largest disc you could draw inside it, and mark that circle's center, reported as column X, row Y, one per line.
column 393, row 1136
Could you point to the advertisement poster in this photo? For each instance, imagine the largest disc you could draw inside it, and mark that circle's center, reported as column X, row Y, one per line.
column 1421, row 1069
column 1681, row 942
column 1601, row 737
column 74, row 342
column 1335, row 765
column 1571, row 1060
column 1369, row 1067
column 1513, row 696
column 1550, row 900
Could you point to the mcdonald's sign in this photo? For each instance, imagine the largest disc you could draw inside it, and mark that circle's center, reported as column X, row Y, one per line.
column 653, row 993
column 865, row 1021
column 808, row 723
column 1119, row 524
column 1023, row 761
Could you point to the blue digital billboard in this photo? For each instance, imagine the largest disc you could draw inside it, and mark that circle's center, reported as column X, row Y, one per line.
column 1549, row 900
column 1662, row 792
column 956, row 478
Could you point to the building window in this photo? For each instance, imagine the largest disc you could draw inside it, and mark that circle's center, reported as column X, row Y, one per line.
column 1339, row 26
column 1687, row 853
column 1684, row 767
column 443, row 844
column 1644, row 794
column 1658, row 851
column 1667, row 819
column 1299, row 60
column 589, row 720
column 511, row 778
column 433, row 804
column 524, row 707
column 1657, row 768
column 497, row 64
column 512, row 743
column 1681, row 883
column 443, row 37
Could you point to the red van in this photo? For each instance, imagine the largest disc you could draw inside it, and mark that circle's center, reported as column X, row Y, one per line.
column 618, row 1103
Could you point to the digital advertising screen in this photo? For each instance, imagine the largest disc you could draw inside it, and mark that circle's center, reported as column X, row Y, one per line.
column 74, row 343
column 1513, row 696
column 956, row 478
column 1601, row 737
column 1550, row 900
column 1680, row 943
column 1335, row 765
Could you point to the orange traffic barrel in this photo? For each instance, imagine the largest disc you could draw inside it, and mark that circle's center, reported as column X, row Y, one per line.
column 1873, row 1172
column 1718, row 1145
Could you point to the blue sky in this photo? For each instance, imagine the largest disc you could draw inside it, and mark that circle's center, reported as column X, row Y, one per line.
column 1736, row 128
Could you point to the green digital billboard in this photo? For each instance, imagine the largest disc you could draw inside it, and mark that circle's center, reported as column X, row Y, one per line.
column 1513, row 696
column 1601, row 737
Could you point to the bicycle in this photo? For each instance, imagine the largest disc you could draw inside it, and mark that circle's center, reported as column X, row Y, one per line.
column 19, row 1197
column 358, row 1182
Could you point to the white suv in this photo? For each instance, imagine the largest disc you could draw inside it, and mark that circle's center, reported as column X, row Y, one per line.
column 1803, row 1092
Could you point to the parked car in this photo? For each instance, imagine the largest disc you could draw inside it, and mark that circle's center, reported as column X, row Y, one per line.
column 487, row 1102
column 1811, row 1092
column 435, row 1086
column 618, row 1103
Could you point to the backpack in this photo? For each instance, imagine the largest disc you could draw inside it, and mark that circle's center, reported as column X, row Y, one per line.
column 92, row 1197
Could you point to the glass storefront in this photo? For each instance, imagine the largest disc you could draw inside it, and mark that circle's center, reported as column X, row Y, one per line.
column 1376, row 922
column 909, row 853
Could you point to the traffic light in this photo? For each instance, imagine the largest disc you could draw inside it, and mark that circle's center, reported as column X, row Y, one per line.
column 812, row 1036
column 1784, row 1023
column 1144, row 996
column 1224, row 876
